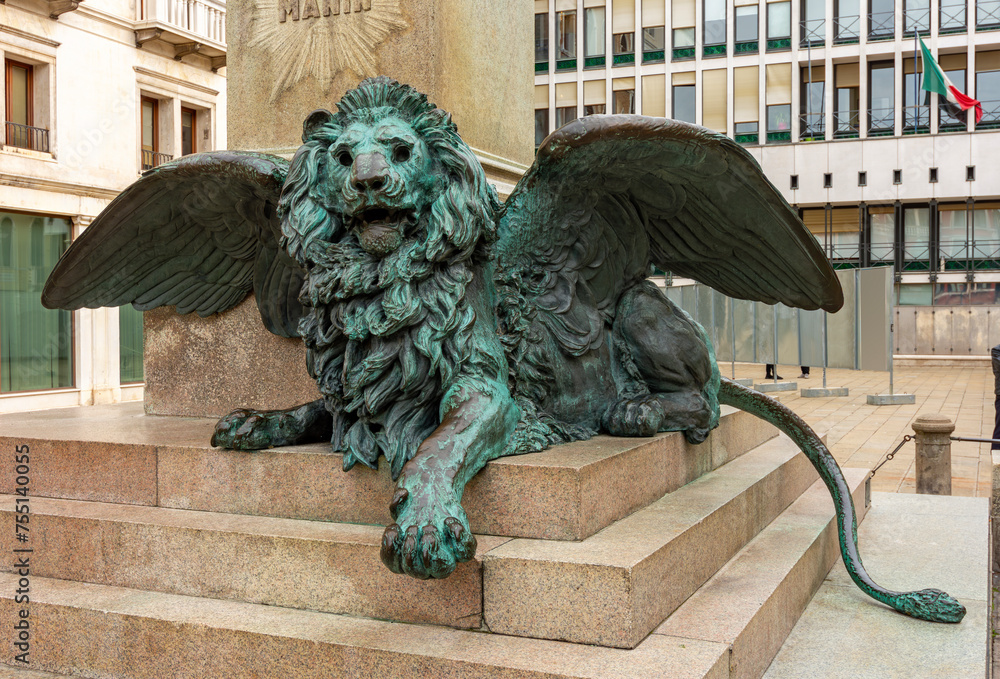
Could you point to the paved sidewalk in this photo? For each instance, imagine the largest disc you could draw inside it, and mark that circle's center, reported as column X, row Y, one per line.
column 859, row 435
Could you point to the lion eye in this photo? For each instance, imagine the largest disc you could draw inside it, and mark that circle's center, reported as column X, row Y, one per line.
column 401, row 154
column 345, row 158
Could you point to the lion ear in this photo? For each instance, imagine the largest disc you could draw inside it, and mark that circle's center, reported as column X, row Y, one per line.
column 439, row 117
column 314, row 121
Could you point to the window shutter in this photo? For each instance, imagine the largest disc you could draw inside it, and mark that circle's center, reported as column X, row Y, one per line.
column 623, row 16
column 566, row 94
column 779, row 84
column 654, row 102
column 541, row 96
column 682, row 13
column 714, row 100
column 654, row 13
column 593, row 93
column 746, row 90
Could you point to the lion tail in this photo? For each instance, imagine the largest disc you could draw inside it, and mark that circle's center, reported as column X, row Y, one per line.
column 927, row 604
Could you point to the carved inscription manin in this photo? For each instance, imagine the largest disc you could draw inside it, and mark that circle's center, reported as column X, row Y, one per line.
column 289, row 9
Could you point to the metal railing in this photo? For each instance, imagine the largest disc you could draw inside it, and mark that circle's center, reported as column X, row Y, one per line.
column 201, row 17
column 985, row 254
column 27, row 137
column 987, row 14
column 881, row 253
column 846, row 29
column 952, row 19
column 917, row 119
column 916, row 20
column 916, row 257
column 151, row 159
column 846, row 124
column 881, row 120
column 991, row 115
column 813, row 32
column 881, row 25
column 812, row 126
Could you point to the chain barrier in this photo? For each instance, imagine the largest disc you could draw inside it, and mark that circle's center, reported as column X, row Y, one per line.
column 891, row 455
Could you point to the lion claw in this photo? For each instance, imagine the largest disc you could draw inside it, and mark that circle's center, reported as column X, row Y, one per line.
column 421, row 545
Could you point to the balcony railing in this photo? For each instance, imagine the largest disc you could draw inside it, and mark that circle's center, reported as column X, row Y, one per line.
column 880, row 121
column 812, row 127
column 991, row 115
column 881, row 26
column 151, row 159
column 987, row 15
column 846, row 30
column 27, row 137
column 846, row 124
column 916, row 20
column 813, row 32
column 202, row 18
column 952, row 19
column 916, row 119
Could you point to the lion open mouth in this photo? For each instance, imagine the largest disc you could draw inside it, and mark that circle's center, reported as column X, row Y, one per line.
column 381, row 230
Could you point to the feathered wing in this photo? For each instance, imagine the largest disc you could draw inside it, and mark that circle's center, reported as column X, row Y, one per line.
column 608, row 196
column 198, row 233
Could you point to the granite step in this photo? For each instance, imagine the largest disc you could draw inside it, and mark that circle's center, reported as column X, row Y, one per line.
column 314, row 565
column 101, row 631
column 21, row 672
column 753, row 602
column 617, row 586
column 117, row 454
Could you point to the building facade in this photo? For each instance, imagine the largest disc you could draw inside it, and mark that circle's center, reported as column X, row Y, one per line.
column 826, row 95
column 94, row 93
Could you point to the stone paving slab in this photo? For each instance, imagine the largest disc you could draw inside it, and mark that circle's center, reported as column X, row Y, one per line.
column 615, row 587
column 111, row 631
column 908, row 542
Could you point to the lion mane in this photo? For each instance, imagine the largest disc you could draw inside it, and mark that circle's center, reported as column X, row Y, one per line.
column 385, row 337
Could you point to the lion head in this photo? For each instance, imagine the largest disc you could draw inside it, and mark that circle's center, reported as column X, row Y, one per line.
column 389, row 212
column 387, row 170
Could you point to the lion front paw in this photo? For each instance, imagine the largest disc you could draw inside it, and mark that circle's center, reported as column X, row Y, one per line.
column 430, row 537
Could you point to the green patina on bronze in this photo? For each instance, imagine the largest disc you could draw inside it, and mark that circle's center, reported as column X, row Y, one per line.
column 445, row 329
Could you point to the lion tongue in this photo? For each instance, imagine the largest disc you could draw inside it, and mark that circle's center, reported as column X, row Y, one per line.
column 380, row 238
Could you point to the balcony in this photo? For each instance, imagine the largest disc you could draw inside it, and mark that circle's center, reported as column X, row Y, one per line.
column 812, row 127
column 846, row 124
column 846, row 30
column 991, row 115
column 881, row 26
column 151, row 159
column 812, row 32
column 190, row 26
column 880, row 122
column 916, row 119
column 916, row 21
column 27, row 137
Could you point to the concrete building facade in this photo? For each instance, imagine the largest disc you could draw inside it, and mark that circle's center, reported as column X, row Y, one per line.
column 826, row 95
column 94, row 92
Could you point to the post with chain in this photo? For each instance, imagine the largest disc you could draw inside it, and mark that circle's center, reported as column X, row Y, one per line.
column 933, row 455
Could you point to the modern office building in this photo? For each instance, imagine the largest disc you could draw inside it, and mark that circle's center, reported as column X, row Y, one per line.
column 94, row 92
column 826, row 95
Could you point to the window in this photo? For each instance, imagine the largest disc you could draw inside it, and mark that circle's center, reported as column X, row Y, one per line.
column 987, row 13
column 625, row 101
column 881, row 19
column 970, row 173
column 986, row 232
column 36, row 344
column 827, row 180
column 746, row 107
column 683, row 103
column 715, row 22
column 953, row 237
column 916, row 101
column 594, row 109
column 747, row 133
column 151, row 156
column 881, row 96
column 683, row 38
column 846, row 21
column 188, row 131
column 916, row 237
column 541, row 125
column 952, row 16
column 951, row 116
column 846, row 102
column 812, row 121
column 682, row 13
column 130, row 344
column 988, row 92
column 714, row 100
column 779, row 25
column 623, row 43
column 566, row 28
column 916, row 16
column 813, row 22
column 746, row 24
column 897, row 176
column 862, row 179
column 932, row 175
column 593, row 32
column 20, row 130
column 653, row 39
column 565, row 115
column 882, row 229
column 778, row 99
column 793, row 182
column 541, row 38
column 779, row 120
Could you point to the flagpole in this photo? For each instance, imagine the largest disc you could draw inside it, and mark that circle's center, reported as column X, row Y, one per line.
column 916, row 84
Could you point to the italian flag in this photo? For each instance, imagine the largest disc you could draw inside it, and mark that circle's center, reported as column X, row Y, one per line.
column 936, row 81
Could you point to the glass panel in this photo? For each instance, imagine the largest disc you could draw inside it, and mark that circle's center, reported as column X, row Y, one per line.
column 846, row 112
column 564, row 115
column 683, row 37
column 917, row 16
column 813, row 23
column 541, row 125
column 187, row 132
column 746, row 128
column 36, row 344
column 683, row 103
column 952, row 15
column 596, row 109
column 987, row 12
column 916, row 108
column 953, row 234
column 623, row 43
column 593, row 39
column 715, row 22
column 567, row 35
column 130, row 349
column 847, row 22
column 916, row 233
column 988, row 92
column 625, row 101
column 779, row 20
column 881, row 22
column 813, row 102
column 746, row 23
column 653, row 39
column 18, row 105
column 914, row 294
column 986, row 234
column 883, row 228
column 779, row 117
column 541, row 37
column 882, row 94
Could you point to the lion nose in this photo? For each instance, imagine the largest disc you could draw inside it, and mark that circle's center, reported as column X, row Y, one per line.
column 370, row 172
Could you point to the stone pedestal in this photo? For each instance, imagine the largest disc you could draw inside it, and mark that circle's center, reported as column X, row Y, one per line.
column 933, row 454
column 289, row 57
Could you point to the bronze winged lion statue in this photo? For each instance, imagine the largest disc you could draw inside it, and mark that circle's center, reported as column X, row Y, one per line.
column 444, row 329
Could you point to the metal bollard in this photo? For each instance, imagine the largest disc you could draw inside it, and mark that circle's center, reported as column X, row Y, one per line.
column 933, row 464
column 995, row 361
